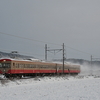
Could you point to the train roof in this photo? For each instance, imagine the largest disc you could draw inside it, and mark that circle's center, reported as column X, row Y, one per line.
column 2, row 59
column 24, row 60
column 9, row 59
column 37, row 60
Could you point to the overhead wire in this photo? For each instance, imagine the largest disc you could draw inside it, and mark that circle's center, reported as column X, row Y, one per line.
column 78, row 50
column 28, row 38
column 43, row 42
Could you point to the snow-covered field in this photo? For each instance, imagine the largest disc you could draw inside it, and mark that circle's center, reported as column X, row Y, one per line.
column 51, row 88
column 85, row 86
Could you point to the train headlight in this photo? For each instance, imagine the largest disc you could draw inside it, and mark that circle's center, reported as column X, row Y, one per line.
column 4, row 60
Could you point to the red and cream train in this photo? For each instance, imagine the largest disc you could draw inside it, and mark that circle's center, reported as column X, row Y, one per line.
column 15, row 67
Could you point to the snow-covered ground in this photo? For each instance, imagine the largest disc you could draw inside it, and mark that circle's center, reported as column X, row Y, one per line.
column 51, row 88
column 85, row 86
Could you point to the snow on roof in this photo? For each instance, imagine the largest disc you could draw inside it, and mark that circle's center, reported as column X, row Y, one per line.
column 11, row 59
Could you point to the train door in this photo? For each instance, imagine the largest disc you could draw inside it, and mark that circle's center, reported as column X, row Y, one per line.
column 56, row 69
column 13, row 68
column 0, row 68
column 22, row 68
column 6, row 67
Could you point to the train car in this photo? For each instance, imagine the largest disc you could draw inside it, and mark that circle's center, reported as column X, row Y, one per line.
column 14, row 67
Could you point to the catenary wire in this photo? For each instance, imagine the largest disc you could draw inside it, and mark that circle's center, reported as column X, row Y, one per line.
column 43, row 42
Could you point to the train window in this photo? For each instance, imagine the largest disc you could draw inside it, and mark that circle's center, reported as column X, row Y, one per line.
column 6, row 65
column 33, row 66
column 29, row 66
column 45, row 66
column 20, row 65
column 40, row 66
column 25, row 65
column 16, row 65
column 13, row 64
column 0, row 64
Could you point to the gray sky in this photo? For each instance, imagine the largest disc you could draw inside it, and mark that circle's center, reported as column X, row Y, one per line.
column 76, row 23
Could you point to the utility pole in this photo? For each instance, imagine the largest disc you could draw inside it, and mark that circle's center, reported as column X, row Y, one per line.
column 91, row 60
column 57, row 50
column 46, row 52
column 63, row 58
column 49, row 51
column 91, row 64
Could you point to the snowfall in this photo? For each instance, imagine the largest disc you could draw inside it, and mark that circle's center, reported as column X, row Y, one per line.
column 85, row 86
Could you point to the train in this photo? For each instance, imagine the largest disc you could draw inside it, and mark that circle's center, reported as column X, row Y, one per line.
column 18, row 68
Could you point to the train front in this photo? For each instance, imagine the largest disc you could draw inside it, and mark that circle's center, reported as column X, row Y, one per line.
column 5, row 66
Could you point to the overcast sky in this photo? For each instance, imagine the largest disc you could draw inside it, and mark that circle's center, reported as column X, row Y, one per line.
column 76, row 23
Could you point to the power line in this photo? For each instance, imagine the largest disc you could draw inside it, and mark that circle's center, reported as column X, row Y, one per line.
column 43, row 42
column 78, row 50
column 28, row 38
